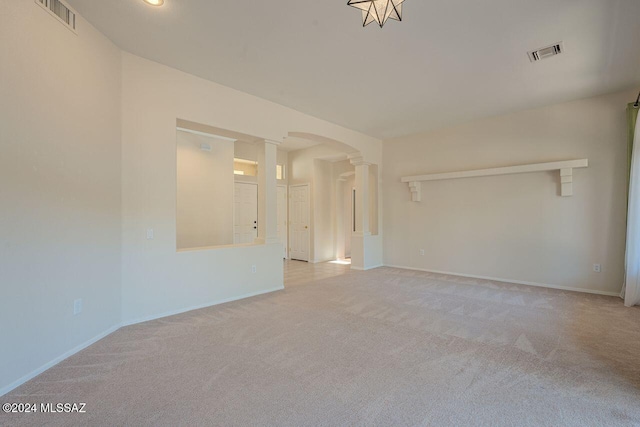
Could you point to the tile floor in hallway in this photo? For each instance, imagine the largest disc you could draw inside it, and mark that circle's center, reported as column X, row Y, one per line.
column 299, row 272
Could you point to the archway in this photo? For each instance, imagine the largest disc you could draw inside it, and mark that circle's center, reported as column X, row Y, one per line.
column 333, row 233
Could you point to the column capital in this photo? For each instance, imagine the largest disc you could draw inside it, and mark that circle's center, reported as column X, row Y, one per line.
column 272, row 142
column 358, row 160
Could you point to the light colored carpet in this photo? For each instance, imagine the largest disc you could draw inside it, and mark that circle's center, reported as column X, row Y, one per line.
column 383, row 347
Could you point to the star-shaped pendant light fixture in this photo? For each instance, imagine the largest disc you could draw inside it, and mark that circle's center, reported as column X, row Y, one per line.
column 378, row 10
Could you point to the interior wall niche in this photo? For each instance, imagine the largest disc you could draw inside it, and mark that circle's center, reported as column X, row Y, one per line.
column 217, row 200
column 215, row 205
column 205, row 184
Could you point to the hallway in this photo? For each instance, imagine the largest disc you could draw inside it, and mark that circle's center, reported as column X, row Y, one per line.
column 300, row 272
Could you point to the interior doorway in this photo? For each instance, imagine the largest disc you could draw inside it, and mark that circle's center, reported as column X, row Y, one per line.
column 299, row 222
column 245, row 213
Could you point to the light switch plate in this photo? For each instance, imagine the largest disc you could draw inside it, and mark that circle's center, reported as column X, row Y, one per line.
column 77, row 306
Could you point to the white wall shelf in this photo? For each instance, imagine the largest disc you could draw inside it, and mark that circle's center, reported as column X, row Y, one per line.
column 564, row 167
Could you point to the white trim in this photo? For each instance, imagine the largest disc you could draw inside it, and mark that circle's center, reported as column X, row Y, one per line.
column 534, row 167
column 199, row 306
column 17, row 383
column 517, row 282
column 113, row 329
column 565, row 167
column 357, row 159
column 370, row 268
column 209, row 135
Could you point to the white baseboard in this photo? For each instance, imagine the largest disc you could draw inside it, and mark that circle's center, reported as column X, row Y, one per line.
column 367, row 268
column 52, row 363
column 17, row 383
column 517, row 282
column 199, row 306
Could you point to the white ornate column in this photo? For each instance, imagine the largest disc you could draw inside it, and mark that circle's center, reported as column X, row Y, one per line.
column 360, row 237
column 267, row 194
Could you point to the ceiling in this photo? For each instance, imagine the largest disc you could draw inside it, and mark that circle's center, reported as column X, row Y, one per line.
column 449, row 61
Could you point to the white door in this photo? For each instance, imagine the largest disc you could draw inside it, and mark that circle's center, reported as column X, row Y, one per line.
column 282, row 218
column 245, row 213
column 299, row 222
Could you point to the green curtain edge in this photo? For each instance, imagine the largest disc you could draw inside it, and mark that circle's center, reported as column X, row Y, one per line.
column 632, row 117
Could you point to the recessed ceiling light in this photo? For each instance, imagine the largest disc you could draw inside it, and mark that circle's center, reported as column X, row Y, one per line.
column 154, row 2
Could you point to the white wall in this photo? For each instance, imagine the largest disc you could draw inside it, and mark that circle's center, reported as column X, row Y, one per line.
column 59, row 188
column 308, row 167
column 305, row 168
column 374, row 199
column 282, row 158
column 246, row 150
column 249, row 151
column 515, row 227
column 323, row 195
column 301, row 162
column 204, row 214
column 155, row 278
column 88, row 165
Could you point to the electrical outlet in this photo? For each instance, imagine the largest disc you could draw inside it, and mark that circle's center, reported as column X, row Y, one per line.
column 77, row 306
column 149, row 233
column 254, row 269
column 421, row 251
column 597, row 268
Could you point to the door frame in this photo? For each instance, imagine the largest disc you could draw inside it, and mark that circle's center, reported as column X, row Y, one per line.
column 308, row 217
column 286, row 213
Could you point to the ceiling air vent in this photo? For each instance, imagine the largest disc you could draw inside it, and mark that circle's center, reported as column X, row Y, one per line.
column 546, row 52
column 61, row 11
